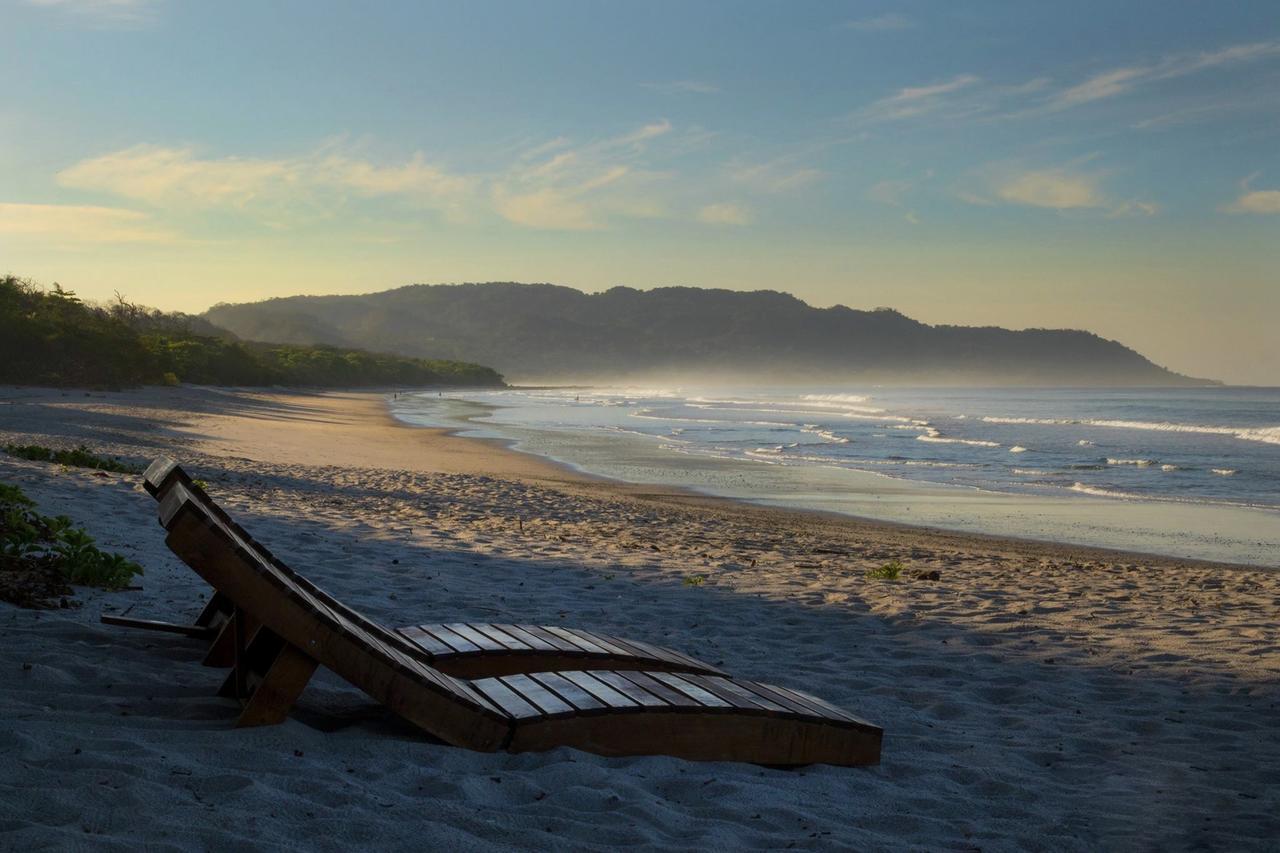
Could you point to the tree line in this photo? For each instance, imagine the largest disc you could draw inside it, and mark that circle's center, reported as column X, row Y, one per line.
column 52, row 337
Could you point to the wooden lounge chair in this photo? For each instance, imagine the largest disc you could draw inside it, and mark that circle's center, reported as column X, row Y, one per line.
column 611, row 712
column 467, row 650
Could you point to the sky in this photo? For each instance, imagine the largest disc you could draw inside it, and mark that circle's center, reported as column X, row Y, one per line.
column 1098, row 165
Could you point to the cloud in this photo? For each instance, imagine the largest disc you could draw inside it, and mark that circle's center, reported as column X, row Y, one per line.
column 107, row 14
column 879, row 23
column 1062, row 189
column 914, row 101
column 966, row 96
column 1120, row 81
column 1256, row 201
column 773, row 176
column 80, row 224
column 180, row 179
column 889, row 192
column 583, row 187
column 1054, row 189
column 725, row 213
column 684, row 87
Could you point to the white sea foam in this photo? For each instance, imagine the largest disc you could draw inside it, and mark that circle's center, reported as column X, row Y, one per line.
column 1032, row 472
column 1141, row 463
column 1269, row 435
column 814, row 429
column 1225, row 472
column 837, row 398
column 1100, row 492
column 1168, row 467
column 1017, row 448
column 1084, row 442
column 932, row 435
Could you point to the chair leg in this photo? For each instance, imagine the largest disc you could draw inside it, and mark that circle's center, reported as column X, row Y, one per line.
column 232, row 639
column 279, row 689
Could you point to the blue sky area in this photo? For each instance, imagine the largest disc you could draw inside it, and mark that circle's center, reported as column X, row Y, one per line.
column 1110, row 166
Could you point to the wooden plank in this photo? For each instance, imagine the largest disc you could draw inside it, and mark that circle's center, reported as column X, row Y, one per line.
column 657, row 653
column 705, row 697
column 524, row 636
column 199, row 632
column 632, row 690
column 599, row 689
column 823, row 704
column 574, row 637
column 486, row 643
column 551, row 639
column 567, row 690
column 215, row 611
column 546, row 701
column 449, row 638
column 279, row 689
column 504, row 639
column 657, row 688
column 727, row 687
column 770, row 692
column 598, row 640
column 505, row 698
column 421, row 638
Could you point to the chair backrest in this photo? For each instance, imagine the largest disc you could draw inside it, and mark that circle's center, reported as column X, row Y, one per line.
column 164, row 473
column 355, row 648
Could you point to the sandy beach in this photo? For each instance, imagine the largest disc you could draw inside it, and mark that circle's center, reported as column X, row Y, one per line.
column 1033, row 696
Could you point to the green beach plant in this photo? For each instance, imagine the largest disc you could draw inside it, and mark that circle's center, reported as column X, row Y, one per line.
column 80, row 457
column 39, row 554
column 890, row 571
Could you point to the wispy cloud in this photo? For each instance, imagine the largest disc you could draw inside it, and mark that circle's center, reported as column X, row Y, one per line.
column 725, row 213
column 1063, row 189
column 1121, row 81
column 966, row 96
column 181, row 179
column 879, row 23
column 782, row 174
column 581, row 187
column 107, row 14
column 889, row 192
column 914, row 101
column 1254, row 201
column 1054, row 189
column 63, row 223
column 684, row 87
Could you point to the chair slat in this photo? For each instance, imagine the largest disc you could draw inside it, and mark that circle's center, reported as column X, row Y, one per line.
column 599, row 690
column 657, row 688
column 519, row 632
column 567, row 690
column 703, row 696
column 546, row 701
column 478, row 639
column 501, row 637
column 630, row 689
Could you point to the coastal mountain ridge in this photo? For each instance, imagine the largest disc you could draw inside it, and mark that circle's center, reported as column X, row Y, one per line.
column 545, row 332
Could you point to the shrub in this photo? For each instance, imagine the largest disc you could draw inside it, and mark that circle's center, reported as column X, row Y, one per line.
column 888, row 572
column 40, row 555
column 81, row 457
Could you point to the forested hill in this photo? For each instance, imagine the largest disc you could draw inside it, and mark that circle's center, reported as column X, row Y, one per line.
column 545, row 332
column 51, row 337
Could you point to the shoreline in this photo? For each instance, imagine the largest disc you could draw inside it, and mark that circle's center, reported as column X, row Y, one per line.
column 686, row 495
column 1033, row 696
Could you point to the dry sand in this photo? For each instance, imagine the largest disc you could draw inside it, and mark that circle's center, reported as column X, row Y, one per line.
column 1034, row 696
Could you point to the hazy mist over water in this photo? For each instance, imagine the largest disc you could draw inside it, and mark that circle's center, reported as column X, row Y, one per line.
column 1202, row 453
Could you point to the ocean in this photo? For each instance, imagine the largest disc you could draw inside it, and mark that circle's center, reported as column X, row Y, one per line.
column 1189, row 472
